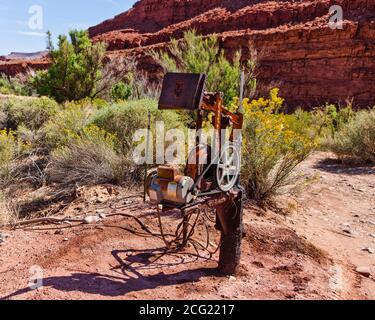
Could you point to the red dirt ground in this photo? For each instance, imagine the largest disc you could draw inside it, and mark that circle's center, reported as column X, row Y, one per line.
column 304, row 255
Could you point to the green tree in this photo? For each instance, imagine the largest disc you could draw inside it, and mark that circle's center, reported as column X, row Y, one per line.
column 76, row 68
column 197, row 54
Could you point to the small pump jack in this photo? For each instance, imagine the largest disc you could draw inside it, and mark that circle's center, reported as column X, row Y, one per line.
column 212, row 177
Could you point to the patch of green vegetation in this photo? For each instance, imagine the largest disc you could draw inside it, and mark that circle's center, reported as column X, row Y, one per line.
column 355, row 139
column 14, row 86
column 197, row 54
column 76, row 68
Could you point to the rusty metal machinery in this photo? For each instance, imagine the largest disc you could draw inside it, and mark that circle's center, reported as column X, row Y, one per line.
column 213, row 181
column 166, row 185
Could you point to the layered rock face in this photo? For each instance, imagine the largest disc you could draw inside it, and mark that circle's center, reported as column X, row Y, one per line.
column 154, row 15
column 297, row 51
column 16, row 63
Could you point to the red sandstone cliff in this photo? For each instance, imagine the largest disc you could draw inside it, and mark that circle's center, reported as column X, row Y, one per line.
column 312, row 63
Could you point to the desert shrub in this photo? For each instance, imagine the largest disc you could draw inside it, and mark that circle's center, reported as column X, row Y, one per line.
column 14, row 86
column 197, row 54
column 125, row 118
column 356, row 138
column 5, row 212
column 337, row 117
column 3, row 118
column 95, row 103
column 32, row 113
column 68, row 122
column 330, row 118
column 10, row 148
column 306, row 123
column 321, row 123
column 121, row 91
column 88, row 159
column 142, row 87
column 272, row 147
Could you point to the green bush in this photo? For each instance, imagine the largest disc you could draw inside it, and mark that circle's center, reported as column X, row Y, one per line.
column 10, row 149
column 32, row 113
column 306, row 123
column 121, row 91
column 68, row 122
column 76, row 68
column 14, row 86
column 197, row 54
column 273, row 147
column 356, row 139
column 124, row 119
column 5, row 213
column 331, row 118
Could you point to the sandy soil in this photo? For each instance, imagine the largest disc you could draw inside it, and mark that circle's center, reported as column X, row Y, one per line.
column 310, row 253
column 337, row 214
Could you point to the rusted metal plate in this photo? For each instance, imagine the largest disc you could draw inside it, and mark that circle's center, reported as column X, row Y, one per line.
column 182, row 91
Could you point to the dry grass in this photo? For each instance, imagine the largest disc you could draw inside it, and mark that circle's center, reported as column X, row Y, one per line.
column 4, row 214
column 8, row 214
column 89, row 159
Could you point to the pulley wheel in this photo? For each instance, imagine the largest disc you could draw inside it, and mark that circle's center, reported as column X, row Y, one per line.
column 227, row 168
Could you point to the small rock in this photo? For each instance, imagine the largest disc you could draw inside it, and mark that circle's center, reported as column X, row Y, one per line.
column 102, row 216
column 372, row 235
column 362, row 190
column 66, row 239
column 57, row 232
column 364, row 271
column 4, row 235
column 91, row 219
column 231, row 278
column 347, row 231
column 369, row 250
column 100, row 200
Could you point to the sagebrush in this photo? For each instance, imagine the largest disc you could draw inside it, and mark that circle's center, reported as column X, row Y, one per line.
column 356, row 139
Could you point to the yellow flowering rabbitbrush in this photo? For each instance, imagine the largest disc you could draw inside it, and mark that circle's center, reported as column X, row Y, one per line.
column 271, row 148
